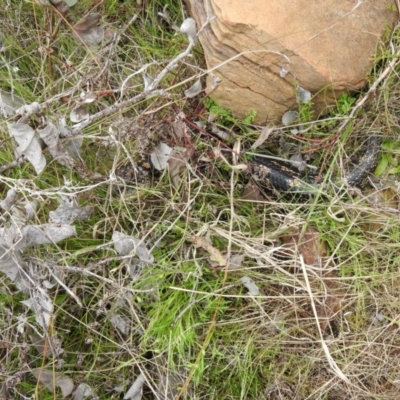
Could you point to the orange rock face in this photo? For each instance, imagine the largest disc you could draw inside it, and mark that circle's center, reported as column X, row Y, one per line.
column 327, row 47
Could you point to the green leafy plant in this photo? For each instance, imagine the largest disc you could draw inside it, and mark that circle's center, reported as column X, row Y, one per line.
column 306, row 112
column 344, row 104
column 225, row 117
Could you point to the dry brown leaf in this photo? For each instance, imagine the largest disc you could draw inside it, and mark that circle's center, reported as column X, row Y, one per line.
column 180, row 128
column 314, row 251
column 252, row 193
column 307, row 243
column 215, row 255
column 177, row 163
column 331, row 306
column 264, row 135
column 386, row 200
column 88, row 22
column 87, row 30
column 61, row 6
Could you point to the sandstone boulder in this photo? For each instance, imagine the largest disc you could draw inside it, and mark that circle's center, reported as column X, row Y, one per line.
column 326, row 46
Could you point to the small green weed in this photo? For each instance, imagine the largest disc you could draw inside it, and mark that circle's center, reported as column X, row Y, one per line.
column 225, row 117
column 345, row 103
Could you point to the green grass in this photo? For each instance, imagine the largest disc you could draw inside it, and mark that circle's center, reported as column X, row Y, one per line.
column 191, row 326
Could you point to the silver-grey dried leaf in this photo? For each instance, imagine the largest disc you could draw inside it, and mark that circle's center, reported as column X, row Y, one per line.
column 135, row 392
column 119, row 322
column 51, row 136
column 10, row 200
column 215, row 82
column 9, row 237
column 283, row 72
column 84, row 391
column 42, row 346
column 30, row 209
column 289, row 117
column 22, row 133
column 160, row 156
column 49, row 285
column 42, row 306
column 88, row 31
column 188, row 27
column 66, row 214
column 224, row 135
column 65, row 130
column 22, row 212
column 46, row 233
column 147, row 81
column 236, row 261
column 9, row 103
column 126, row 245
column 79, row 114
column 249, row 284
column 88, row 97
column 93, row 37
column 28, row 145
column 303, row 95
column 29, row 109
column 194, row 90
column 40, row 343
column 51, row 379
column 135, row 268
column 17, row 238
column 73, row 146
column 10, row 263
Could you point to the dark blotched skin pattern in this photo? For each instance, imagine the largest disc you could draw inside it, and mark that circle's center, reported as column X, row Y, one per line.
column 283, row 177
